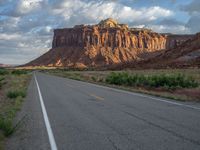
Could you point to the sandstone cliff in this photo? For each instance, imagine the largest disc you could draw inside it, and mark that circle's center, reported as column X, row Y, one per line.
column 174, row 40
column 103, row 44
column 184, row 55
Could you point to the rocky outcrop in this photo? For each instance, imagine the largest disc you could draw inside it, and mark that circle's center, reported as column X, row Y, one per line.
column 185, row 55
column 103, row 44
column 174, row 40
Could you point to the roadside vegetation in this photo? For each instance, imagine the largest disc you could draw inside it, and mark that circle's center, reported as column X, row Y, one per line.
column 179, row 84
column 13, row 87
column 167, row 81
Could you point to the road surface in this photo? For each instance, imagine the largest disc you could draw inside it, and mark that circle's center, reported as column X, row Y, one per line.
column 84, row 116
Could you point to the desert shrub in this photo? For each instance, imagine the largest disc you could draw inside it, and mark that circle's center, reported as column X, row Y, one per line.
column 6, row 126
column 93, row 78
column 3, row 71
column 1, row 81
column 16, row 93
column 100, row 80
column 19, row 72
column 170, row 81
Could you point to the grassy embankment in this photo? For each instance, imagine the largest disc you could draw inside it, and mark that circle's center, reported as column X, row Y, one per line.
column 179, row 84
column 13, row 86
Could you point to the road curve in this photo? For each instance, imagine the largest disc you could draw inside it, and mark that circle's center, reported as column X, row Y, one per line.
column 85, row 116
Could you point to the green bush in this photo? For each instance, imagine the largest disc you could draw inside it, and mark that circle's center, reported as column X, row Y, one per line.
column 19, row 72
column 170, row 81
column 16, row 93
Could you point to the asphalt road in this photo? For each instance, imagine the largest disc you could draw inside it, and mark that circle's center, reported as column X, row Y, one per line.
column 85, row 116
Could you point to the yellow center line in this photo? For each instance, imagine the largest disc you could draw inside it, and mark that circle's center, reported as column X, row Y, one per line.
column 73, row 86
column 97, row 97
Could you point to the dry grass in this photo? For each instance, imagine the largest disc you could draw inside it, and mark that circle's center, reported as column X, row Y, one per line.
column 12, row 94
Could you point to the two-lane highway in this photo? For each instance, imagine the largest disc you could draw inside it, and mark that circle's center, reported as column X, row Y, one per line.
column 84, row 116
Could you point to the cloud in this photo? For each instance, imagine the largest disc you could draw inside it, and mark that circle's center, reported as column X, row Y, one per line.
column 22, row 7
column 176, row 29
column 4, row 36
column 93, row 11
column 26, row 6
column 19, row 49
column 170, row 25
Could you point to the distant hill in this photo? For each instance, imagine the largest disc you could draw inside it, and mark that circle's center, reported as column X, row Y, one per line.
column 4, row 65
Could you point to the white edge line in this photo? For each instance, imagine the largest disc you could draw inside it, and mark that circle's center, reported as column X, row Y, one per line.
column 46, row 120
column 141, row 95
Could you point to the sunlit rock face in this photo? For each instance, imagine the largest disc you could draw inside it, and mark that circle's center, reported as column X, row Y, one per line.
column 103, row 44
column 109, row 34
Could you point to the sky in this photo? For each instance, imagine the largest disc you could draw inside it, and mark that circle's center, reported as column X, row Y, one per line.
column 26, row 26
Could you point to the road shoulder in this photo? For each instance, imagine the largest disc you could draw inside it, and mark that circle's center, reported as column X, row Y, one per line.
column 27, row 136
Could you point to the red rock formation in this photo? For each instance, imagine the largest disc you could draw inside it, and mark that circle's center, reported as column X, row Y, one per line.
column 95, row 36
column 174, row 40
column 105, row 43
column 185, row 55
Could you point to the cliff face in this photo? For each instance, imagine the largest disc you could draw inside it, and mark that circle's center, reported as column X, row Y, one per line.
column 174, row 40
column 185, row 55
column 113, row 37
column 105, row 43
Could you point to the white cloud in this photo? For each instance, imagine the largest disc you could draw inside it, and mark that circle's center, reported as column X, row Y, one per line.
column 94, row 12
column 18, row 8
column 5, row 36
column 10, row 24
column 26, row 6
column 176, row 29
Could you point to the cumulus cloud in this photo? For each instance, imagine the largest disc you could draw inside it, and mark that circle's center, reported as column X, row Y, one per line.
column 4, row 36
column 170, row 26
column 22, row 7
column 19, row 49
column 91, row 12
column 176, row 29
column 26, row 6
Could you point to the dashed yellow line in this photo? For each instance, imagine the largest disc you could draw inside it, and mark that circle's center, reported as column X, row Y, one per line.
column 73, row 86
column 97, row 97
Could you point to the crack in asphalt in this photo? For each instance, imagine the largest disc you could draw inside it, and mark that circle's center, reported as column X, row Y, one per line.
column 162, row 128
column 113, row 144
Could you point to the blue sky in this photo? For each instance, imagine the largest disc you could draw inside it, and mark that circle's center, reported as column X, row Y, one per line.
column 26, row 26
